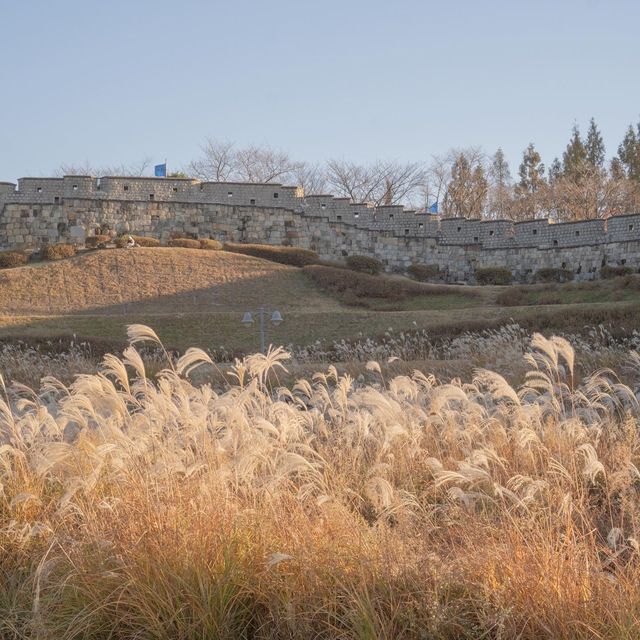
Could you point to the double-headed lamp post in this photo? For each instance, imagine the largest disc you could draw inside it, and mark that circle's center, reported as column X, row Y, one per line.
column 247, row 321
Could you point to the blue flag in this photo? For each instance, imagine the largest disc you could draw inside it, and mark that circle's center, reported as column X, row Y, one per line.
column 434, row 207
column 160, row 170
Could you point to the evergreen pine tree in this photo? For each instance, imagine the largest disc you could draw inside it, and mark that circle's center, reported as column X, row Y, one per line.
column 501, row 184
column 595, row 146
column 575, row 156
column 555, row 170
column 629, row 153
column 531, row 171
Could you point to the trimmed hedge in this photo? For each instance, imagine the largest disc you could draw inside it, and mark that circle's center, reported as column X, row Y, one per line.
column 354, row 283
column 493, row 275
column 58, row 251
column 551, row 274
column 97, row 242
column 284, row 255
column 607, row 272
column 210, row 244
column 424, row 272
column 185, row 243
column 143, row 241
column 364, row 264
column 10, row 259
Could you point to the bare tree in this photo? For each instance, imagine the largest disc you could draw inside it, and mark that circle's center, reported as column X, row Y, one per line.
column 311, row 177
column 592, row 194
column 380, row 183
column 467, row 191
column 221, row 161
column 218, row 161
column 135, row 169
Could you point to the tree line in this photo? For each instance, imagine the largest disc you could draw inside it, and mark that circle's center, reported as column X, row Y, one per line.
column 465, row 182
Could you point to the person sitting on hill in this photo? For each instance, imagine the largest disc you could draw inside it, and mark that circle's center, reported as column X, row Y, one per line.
column 131, row 242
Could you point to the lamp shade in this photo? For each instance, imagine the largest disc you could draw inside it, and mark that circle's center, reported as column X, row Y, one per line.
column 276, row 317
column 247, row 318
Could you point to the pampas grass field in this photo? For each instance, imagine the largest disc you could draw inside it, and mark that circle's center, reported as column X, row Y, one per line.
column 154, row 506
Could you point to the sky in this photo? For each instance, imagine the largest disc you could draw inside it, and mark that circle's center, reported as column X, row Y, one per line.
column 113, row 82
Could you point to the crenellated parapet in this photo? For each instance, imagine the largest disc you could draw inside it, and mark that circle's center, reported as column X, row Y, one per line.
column 39, row 210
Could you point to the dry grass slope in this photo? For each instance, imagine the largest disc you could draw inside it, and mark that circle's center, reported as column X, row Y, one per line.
column 166, row 280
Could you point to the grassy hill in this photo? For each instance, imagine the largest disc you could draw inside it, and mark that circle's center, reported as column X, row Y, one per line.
column 194, row 297
column 167, row 280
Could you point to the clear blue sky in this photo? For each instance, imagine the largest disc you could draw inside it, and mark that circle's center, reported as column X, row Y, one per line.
column 114, row 81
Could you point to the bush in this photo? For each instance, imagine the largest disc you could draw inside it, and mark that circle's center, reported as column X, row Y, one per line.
column 354, row 284
column 210, row 245
column 513, row 297
column 284, row 255
column 185, row 243
column 10, row 259
column 364, row 264
column 143, row 241
column 424, row 272
column 551, row 274
column 97, row 242
column 607, row 272
column 58, row 251
column 493, row 275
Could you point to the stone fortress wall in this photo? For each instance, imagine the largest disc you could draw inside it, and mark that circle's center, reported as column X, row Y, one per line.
column 41, row 210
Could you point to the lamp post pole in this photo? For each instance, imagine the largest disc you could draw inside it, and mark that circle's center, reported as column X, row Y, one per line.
column 262, row 347
column 247, row 321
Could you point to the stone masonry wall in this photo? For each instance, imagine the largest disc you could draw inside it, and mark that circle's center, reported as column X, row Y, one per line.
column 68, row 209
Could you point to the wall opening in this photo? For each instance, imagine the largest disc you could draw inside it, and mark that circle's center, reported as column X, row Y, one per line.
column 323, row 206
column 252, row 201
column 391, row 216
column 75, row 187
column 491, row 232
column 125, row 187
column 276, row 195
column 339, row 217
column 535, row 232
column 555, row 243
column 39, row 189
column 577, row 233
column 406, row 232
column 630, row 227
column 229, row 194
column 459, row 229
column 56, row 199
column 475, row 238
column 175, row 189
column 152, row 196
column 420, row 225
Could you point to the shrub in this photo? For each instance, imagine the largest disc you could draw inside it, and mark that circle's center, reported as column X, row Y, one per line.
column 185, row 243
column 549, row 298
column 424, row 272
column 284, row 255
column 493, row 275
column 10, row 259
column 609, row 271
column 355, row 284
column 364, row 264
column 97, row 242
column 513, row 297
column 551, row 274
column 210, row 244
column 58, row 251
column 143, row 241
